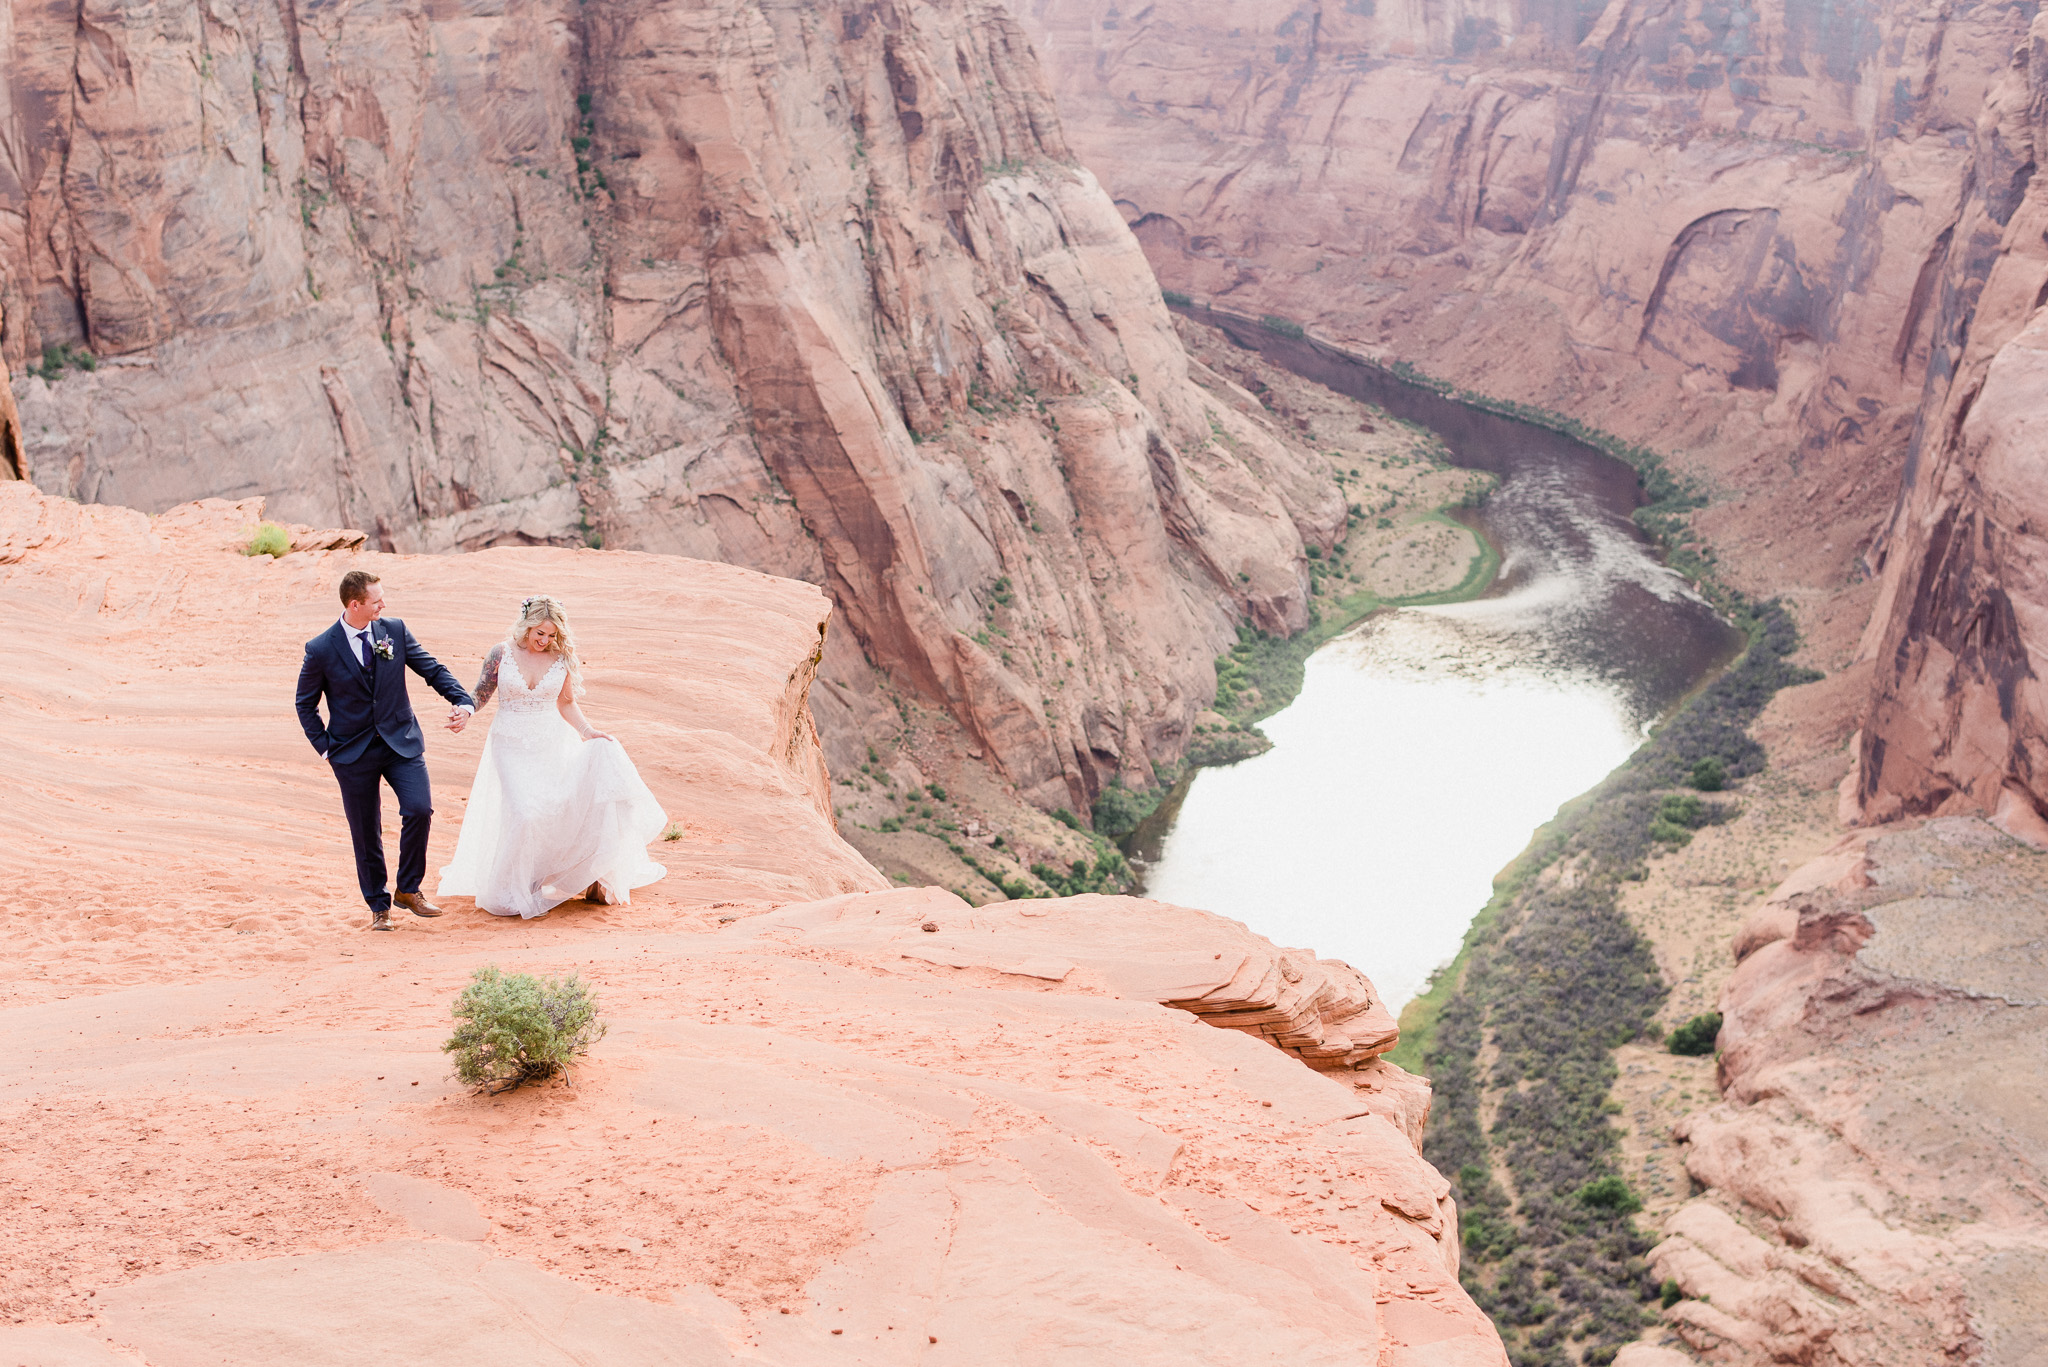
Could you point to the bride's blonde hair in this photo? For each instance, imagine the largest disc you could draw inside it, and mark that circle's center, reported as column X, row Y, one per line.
column 541, row 608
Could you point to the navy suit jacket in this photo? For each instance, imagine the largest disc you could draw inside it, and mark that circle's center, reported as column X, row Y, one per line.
column 363, row 704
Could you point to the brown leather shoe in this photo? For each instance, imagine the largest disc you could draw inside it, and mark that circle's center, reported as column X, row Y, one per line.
column 380, row 919
column 416, row 903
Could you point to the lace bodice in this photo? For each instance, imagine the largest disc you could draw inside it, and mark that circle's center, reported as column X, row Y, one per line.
column 515, row 696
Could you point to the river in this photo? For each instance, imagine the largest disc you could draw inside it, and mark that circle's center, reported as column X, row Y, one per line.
column 1427, row 744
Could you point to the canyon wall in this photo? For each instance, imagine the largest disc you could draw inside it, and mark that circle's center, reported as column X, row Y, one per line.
column 11, row 459
column 1874, row 1187
column 1959, row 719
column 1721, row 229
column 813, row 289
column 1796, row 246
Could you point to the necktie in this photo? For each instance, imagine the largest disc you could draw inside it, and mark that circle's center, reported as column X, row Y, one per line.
column 363, row 639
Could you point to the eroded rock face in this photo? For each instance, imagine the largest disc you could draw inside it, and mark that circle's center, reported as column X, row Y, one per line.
column 11, row 459
column 1959, row 717
column 816, row 1132
column 813, row 289
column 1736, row 234
column 1800, row 251
column 1876, row 1168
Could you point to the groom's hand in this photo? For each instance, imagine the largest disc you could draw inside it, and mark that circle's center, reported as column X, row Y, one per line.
column 458, row 717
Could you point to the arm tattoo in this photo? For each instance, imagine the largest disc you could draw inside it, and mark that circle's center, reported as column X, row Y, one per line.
column 487, row 682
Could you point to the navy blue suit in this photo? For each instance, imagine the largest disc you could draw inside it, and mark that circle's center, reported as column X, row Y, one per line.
column 371, row 735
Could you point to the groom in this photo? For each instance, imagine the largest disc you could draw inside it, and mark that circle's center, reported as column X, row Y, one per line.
column 359, row 663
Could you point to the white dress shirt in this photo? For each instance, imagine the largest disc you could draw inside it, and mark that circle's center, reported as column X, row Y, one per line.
column 358, row 640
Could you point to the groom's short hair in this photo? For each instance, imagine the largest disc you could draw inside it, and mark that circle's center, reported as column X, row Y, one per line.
column 355, row 586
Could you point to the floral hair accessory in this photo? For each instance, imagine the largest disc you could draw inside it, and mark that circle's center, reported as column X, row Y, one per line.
column 526, row 603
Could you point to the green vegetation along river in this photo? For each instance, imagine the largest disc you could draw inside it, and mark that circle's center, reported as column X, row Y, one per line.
column 1427, row 743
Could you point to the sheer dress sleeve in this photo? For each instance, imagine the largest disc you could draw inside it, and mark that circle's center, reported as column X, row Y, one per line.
column 487, row 682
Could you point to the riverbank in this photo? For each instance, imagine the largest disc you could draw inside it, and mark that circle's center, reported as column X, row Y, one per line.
column 924, row 813
column 1545, row 1039
column 1403, row 544
column 1519, row 1037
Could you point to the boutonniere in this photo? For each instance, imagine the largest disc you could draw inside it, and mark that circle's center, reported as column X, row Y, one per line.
column 382, row 646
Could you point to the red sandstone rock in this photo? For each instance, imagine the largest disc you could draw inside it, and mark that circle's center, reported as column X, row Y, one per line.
column 11, row 458
column 1677, row 241
column 227, row 1133
column 814, row 290
column 1959, row 718
column 1721, row 246
column 1877, row 1191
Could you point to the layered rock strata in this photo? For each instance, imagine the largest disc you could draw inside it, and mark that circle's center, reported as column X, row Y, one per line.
column 1321, row 1011
column 817, row 1132
column 817, row 290
column 1877, row 1185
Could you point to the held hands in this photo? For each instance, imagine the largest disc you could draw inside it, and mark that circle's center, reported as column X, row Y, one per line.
column 457, row 718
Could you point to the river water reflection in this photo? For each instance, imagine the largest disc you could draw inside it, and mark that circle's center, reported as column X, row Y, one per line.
column 1428, row 743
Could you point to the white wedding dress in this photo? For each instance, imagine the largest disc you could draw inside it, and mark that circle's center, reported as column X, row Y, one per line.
column 550, row 813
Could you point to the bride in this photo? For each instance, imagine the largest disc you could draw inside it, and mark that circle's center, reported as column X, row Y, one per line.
column 551, row 816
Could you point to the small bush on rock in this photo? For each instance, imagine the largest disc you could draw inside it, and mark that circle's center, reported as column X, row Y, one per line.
column 269, row 539
column 1697, row 1035
column 516, row 1028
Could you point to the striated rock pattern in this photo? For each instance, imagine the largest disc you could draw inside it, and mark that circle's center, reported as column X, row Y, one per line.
column 1959, row 718
column 1877, row 1190
column 815, row 289
column 817, row 1133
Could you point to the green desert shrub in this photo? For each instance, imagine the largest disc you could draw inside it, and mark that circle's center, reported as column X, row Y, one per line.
column 1119, row 810
column 1678, row 816
column 1669, row 832
column 1696, row 1036
column 1670, row 1293
column 515, row 1028
column 1610, row 1194
column 269, row 539
column 57, row 358
column 1709, row 775
column 1683, row 809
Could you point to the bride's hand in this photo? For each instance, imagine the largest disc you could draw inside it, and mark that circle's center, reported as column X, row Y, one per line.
column 599, row 735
